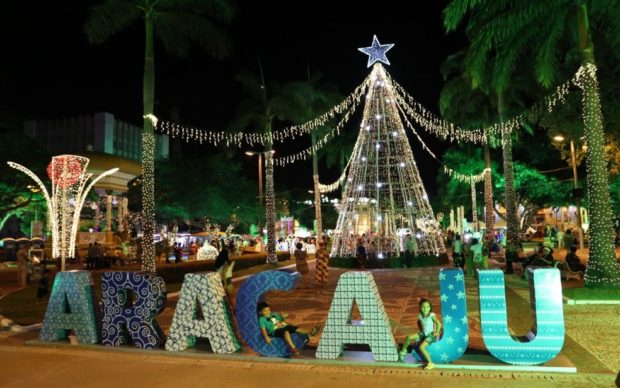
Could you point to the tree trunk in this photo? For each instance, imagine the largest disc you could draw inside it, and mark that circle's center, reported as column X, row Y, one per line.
column 602, row 270
column 148, row 152
column 510, row 203
column 317, row 190
column 488, row 195
column 271, row 208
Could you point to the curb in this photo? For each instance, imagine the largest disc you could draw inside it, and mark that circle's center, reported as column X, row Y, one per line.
column 569, row 301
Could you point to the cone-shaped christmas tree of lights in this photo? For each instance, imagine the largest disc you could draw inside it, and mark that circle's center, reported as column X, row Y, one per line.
column 384, row 195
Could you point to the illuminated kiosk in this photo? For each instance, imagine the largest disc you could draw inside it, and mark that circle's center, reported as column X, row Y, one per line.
column 383, row 190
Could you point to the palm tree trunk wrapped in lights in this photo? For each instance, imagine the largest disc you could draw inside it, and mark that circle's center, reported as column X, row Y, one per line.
column 270, row 210
column 317, row 190
column 489, row 208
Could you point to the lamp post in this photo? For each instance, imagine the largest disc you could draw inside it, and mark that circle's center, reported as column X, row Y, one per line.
column 260, row 190
column 560, row 138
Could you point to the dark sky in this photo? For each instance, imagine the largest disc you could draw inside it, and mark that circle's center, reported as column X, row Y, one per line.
column 48, row 69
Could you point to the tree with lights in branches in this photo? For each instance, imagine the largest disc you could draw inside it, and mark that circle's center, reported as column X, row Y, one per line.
column 541, row 30
column 176, row 23
column 383, row 190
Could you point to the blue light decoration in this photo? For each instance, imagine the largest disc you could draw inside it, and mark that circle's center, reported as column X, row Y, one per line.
column 545, row 339
column 204, row 291
column 247, row 316
column 376, row 52
column 455, row 337
column 71, row 307
column 374, row 329
column 125, row 322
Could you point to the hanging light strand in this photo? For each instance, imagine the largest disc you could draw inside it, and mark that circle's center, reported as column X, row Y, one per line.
column 452, row 132
column 305, row 154
column 239, row 138
column 465, row 178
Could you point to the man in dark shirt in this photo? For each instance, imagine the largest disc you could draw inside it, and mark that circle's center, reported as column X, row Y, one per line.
column 573, row 261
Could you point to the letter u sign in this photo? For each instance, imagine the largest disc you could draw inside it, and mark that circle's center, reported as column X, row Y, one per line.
column 545, row 339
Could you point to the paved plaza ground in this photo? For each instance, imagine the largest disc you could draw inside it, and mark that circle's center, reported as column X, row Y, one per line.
column 591, row 345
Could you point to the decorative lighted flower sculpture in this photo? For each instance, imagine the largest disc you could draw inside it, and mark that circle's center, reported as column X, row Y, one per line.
column 69, row 190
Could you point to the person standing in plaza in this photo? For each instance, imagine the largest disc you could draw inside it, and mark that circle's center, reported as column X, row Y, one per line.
column 409, row 250
column 22, row 266
column 322, row 258
column 300, row 259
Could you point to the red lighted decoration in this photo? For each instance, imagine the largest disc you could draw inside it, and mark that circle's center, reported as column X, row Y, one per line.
column 74, row 165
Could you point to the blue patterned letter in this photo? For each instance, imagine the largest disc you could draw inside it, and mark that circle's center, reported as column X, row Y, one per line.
column 72, row 291
column 455, row 338
column 247, row 316
column 204, row 289
column 374, row 330
column 126, row 320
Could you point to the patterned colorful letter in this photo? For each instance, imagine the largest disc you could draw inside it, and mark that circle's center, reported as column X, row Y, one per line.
column 204, row 289
column 375, row 330
column 125, row 322
column 72, row 291
column 247, row 316
column 455, row 338
column 546, row 338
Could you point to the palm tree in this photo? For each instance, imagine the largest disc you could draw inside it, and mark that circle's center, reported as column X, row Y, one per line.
column 543, row 30
column 459, row 102
column 177, row 23
column 258, row 110
column 309, row 99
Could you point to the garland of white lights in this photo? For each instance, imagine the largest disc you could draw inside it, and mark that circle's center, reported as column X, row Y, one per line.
column 305, row 154
column 464, row 178
column 447, row 130
column 239, row 138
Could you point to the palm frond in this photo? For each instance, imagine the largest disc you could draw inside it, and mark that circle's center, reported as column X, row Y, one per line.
column 221, row 11
column 107, row 19
column 607, row 13
column 178, row 29
column 548, row 52
column 456, row 11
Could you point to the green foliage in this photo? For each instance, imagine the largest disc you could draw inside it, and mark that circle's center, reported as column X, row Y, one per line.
column 177, row 23
column 16, row 188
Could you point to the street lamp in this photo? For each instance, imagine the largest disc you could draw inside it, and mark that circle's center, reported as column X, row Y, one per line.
column 560, row 138
column 260, row 187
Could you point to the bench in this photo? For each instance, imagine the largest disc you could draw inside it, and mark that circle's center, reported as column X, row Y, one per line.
column 566, row 272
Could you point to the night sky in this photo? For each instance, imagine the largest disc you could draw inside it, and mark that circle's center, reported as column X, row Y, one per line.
column 48, row 68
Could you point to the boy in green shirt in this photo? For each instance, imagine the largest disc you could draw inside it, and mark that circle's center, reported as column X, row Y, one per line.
column 275, row 325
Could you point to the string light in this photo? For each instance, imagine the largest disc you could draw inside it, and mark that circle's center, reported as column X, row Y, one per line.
column 271, row 210
column 239, row 138
column 148, row 201
column 381, row 194
column 465, row 178
column 452, row 132
column 69, row 178
column 602, row 270
column 306, row 153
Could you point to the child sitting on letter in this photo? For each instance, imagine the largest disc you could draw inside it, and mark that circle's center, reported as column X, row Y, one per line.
column 274, row 325
column 430, row 326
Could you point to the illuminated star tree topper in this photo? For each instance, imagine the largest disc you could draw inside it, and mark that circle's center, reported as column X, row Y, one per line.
column 376, row 52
